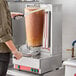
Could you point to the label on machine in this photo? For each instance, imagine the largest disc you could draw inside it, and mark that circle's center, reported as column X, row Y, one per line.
column 25, row 68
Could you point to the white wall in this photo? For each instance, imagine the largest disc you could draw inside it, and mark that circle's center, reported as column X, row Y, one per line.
column 68, row 25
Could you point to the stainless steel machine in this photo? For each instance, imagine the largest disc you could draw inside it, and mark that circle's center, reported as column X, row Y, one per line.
column 50, row 57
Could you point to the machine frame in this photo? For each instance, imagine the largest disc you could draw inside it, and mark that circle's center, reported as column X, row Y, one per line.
column 49, row 59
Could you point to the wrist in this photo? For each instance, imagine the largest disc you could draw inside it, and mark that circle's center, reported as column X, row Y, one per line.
column 15, row 51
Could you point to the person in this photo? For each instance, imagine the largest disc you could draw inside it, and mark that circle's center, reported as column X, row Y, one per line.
column 6, row 43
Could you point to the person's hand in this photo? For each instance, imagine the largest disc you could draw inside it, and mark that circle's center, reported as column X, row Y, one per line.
column 17, row 54
column 17, row 15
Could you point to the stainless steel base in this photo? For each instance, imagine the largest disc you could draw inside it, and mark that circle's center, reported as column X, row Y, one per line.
column 59, row 72
column 43, row 64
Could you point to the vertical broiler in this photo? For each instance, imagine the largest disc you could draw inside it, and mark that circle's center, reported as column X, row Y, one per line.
column 43, row 49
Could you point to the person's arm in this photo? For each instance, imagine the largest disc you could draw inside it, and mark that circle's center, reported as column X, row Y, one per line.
column 6, row 30
column 13, row 49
